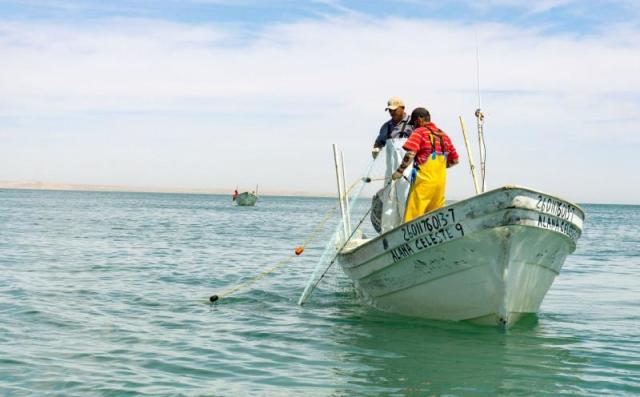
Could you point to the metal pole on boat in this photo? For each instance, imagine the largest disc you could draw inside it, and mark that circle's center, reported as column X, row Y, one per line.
column 336, row 159
column 480, row 123
column 346, row 198
column 471, row 164
column 483, row 148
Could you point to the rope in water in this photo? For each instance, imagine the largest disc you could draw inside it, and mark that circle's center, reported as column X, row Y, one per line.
column 299, row 250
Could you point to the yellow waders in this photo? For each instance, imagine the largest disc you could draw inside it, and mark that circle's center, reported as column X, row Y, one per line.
column 427, row 191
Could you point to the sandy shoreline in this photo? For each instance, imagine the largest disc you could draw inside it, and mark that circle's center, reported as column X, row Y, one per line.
column 35, row 185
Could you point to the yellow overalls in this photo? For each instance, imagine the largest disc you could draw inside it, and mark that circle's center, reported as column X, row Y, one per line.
column 427, row 188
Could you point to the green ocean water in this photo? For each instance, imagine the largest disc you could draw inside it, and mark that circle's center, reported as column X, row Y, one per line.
column 105, row 294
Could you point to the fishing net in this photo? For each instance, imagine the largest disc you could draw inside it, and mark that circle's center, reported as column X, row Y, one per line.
column 376, row 210
column 328, row 257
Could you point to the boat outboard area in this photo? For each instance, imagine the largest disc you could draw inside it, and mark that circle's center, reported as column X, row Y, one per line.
column 488, row 259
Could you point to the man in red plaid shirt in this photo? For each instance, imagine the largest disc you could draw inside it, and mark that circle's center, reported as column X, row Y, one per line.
column 432, row 152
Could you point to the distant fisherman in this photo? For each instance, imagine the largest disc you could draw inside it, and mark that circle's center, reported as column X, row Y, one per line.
column 393, row 134
column 431, row 152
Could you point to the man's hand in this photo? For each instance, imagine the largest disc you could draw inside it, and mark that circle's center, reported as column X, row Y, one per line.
column 406, row 160
column 375, row 152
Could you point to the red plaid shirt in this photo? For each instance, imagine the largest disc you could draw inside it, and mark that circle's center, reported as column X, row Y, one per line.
column 423, row 140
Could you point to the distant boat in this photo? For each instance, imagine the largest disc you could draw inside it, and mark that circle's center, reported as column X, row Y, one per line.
column 246, row 199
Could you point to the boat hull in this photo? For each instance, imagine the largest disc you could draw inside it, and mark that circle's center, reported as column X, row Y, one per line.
column 246, row 199
column 487, row 259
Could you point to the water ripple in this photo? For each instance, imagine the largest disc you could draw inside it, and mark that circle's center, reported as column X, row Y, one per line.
column 105, row 294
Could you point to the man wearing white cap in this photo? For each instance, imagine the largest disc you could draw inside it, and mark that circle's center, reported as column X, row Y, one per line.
column 392, row 136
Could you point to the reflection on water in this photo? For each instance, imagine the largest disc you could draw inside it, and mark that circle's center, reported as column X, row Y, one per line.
column 393, row 355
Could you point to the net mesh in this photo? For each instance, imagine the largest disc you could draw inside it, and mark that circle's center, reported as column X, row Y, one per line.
column 356, row 211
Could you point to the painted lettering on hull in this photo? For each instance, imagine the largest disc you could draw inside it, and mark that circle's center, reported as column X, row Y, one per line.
column 433, row 222
column 427, row 240
column 559, row 225
column 555, row 207
column 401, row 252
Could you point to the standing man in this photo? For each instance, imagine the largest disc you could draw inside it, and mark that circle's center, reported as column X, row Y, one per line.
column 392, row 136
column 431, row 152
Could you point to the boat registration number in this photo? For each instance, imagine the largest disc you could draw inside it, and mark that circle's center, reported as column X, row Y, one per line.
column 435, row 222
column 556, row 207
column 431, row 230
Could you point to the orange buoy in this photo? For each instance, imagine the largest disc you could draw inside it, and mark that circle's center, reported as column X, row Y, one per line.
column 299, row 250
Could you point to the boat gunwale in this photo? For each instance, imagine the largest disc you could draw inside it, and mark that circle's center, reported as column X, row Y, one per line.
column 351, row 251
column 347, row 252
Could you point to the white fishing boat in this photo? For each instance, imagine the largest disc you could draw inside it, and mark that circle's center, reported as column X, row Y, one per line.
column 246, row 199
column 488, row 259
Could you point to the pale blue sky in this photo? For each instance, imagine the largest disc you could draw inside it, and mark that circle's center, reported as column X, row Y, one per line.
column 215, row 93
column 553, row 15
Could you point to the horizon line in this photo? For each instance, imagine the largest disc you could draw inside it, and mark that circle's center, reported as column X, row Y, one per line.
column 82, row 187
column 79, row 187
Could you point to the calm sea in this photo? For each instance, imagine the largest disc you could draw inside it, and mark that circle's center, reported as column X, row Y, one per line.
column 105, row 294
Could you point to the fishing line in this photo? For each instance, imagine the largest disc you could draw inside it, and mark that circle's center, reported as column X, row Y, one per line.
column 302, row 301
column 331, row 245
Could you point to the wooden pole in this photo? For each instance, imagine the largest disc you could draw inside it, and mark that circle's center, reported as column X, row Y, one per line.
column 473, row 167
column 483, row 154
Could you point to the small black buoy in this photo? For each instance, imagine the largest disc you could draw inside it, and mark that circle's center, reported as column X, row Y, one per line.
column 213, row 298
column 366, row 179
